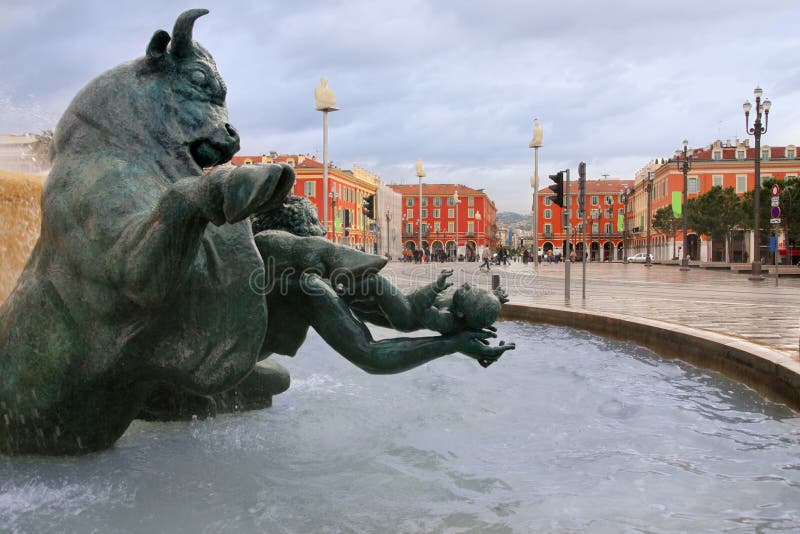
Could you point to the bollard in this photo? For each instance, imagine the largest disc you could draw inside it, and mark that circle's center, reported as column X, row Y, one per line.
column 495, row 281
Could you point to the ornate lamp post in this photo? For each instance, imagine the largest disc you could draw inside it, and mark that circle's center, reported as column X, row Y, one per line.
column 333, row 196
column 648, row 262
column 624, row 198
column 535, row 144
column 757, row 131
column 684, row 165
column 325, row 101
column 478, row 235
column 457, row 202
column 420, row 175
column 388, row 233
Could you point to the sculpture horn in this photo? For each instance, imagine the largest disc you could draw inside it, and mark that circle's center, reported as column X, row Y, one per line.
column 182, row 32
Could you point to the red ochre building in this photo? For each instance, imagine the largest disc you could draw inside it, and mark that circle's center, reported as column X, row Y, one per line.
column 724, row 164
column 604, row 208
column 466, row 225
column 346, row 192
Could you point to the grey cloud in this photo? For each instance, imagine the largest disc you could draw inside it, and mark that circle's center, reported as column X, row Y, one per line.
column 456, row 83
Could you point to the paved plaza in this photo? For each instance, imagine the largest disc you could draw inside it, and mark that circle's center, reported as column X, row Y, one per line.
column 717, row 301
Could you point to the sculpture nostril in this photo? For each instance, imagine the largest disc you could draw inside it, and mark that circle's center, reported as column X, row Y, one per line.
column 231, row 131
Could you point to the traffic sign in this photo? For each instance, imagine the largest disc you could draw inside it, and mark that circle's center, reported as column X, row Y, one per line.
column 775, row 221
column 776, row 201
column 776, row 191
column 775, row 212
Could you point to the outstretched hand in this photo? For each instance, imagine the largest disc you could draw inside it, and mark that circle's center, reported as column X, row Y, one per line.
column 442, row 281
column 475, row 344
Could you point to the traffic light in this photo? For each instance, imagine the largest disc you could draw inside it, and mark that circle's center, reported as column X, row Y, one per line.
column 558, row 189
column 368, row 206
column 347, row 218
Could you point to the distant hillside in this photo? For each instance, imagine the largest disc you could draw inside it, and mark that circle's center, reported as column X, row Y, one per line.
column 509, row 218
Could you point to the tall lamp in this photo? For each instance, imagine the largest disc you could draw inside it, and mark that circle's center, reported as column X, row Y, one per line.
column 684, row 165
column 325, row 101
column 757, row 131
column 535, row 144
column 420, row 175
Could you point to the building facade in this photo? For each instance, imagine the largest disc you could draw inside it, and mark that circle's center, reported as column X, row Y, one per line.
column 448, row 220
column 725, row 164
column 347, row 189
column 604, row 211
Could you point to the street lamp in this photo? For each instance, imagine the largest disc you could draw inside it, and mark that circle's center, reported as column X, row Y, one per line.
column 388, row 233
column 333, row 196
column 478, row 218
column 457, row 202
column 684, row 165
column 420, row 175
column 624, row 198
column 648, row 262
column 325, row 101
column 757, row 131
column 535, row 144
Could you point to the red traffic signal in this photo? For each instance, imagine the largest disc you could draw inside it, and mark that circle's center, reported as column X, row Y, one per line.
column 558, row 189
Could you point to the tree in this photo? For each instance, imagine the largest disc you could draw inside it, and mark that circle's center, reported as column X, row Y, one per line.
column 664, row 221
column 715, row 213
column 789, row 204
column 790, row 210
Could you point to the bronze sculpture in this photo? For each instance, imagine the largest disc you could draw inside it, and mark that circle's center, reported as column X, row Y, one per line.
column 143, row 271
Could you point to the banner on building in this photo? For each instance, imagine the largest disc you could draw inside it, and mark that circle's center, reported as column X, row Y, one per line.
column 620, row 223
column 677, row 203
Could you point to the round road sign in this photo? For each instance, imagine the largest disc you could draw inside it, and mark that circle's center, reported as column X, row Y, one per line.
column 776, row 212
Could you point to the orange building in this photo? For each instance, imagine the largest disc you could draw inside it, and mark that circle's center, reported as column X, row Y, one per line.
column 604, row 207
column 346, row 192
column 456, row 220
column 724, row 164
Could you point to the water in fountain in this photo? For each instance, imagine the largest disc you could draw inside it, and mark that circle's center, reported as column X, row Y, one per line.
column 571, row 431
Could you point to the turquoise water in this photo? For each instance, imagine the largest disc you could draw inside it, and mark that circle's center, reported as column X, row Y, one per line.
column 570, row 432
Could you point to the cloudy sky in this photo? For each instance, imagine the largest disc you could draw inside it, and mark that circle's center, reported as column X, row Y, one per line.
column 456, row 83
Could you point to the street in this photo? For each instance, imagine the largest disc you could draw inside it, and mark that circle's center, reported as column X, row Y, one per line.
column 717, row 301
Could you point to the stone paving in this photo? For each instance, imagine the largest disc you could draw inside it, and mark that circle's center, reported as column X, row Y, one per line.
column 717, row 301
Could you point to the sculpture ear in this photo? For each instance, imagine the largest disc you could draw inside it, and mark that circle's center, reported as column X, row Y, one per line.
column 158, row 45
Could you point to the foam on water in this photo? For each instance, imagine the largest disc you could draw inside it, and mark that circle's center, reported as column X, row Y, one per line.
column 571, row 431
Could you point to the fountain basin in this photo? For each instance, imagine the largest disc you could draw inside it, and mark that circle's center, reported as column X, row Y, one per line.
column 773, row 373
column 570, row 431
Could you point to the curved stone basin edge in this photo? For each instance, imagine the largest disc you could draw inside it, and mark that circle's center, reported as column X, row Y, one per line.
column 774, row 374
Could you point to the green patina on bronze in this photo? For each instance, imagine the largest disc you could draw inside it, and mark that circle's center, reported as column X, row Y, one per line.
column 146, row 271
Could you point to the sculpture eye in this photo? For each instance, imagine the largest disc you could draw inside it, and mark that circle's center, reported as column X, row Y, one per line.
column 198, row 77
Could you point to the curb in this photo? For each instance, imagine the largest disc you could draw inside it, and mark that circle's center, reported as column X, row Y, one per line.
column 772, row 373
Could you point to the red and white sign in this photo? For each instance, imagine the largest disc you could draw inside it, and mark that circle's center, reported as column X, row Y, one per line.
column 776, row 191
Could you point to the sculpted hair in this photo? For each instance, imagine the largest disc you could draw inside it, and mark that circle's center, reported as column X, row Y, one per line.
column 297, row 215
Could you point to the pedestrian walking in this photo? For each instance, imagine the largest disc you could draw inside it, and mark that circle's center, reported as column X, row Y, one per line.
column 486, row 257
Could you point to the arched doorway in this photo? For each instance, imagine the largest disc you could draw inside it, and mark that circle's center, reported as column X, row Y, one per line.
column 620, row 252
column 579, row 254
column 594, row 251
column 410, row 245
column 470, row 251
column 437, row 250
column 608, row 250
column 450, row 250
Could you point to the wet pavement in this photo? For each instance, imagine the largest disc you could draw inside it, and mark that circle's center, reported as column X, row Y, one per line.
column 718, row 301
